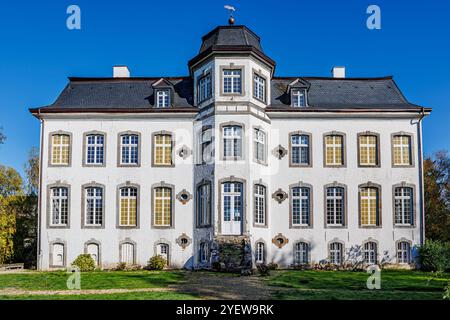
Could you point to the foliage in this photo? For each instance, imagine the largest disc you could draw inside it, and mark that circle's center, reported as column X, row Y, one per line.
column 272, row 266
column 7, row 230
column 32, row 171
column 435, row 256
column 447, row 292
column 156, row 263
column 10, row 182
column 216, row 266
column 84, row 262
column 263, row 269
column 437, row 196
column 122, row 266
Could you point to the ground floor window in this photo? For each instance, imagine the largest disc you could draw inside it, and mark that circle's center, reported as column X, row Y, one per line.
column 301, row 251
column 259, row 255
column 336, row 252
column 203, row 252
column 403, row 252
column 127, row 255
column 370, row 252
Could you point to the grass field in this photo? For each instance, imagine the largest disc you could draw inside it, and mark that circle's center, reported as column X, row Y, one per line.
column 185, row 285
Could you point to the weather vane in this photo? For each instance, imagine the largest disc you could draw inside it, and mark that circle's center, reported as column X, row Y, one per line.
column 230, row 9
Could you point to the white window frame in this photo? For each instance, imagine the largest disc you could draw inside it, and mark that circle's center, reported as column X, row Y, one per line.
column 301, row 146
column 167, row 195
column 336, row 251
column 129, row 197
column 260, row 253
column 164, row 146
column 370, row 252
column 368, row 146
column 235, row 79
column 403, row 198
column 131, row 147
column 334, row 197
column 260, row 196
column 163, row 98
column 205, row 145
column 97, row 209
column 403, row 252
column 204, row 88
column 369, row 199
column 259, row 145
column 96, row 146
column 402, row 146
column 204, row 204
column 236, row 145
column 296, row 96
column 301, row 253
column 335, row 146
column 301, row 199
column 60, row 145
column 259, row 87
column 59, row 200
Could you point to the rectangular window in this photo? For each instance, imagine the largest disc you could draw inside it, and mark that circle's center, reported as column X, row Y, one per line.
column 300, row 149
column 301, row 253
column 370, row 253
column 60, row 149
column 232, row 81
column 259, row 87
column 368, row 150
column 129, row 148
column 369, row 206
column 203, row 252
column 259, row 145
column 94, row 206
column 403, row 203
column 300, row 206
column 403, row 252
column 335, row 206
column 259, row 256
column 232, row 142
column 128, row 207
column 402, row 150
column 95, row 147
column 163, row 98
column 60, row 206
column 205, row 145
column 298, row 98
column 204, row 204
column 163, row 207
column 334, row 150
column 204, row 88
column 163, row 150
column 260, row 204
column 336, row 253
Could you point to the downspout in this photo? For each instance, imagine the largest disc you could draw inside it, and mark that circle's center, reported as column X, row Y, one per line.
column 39, row 216
column 421, row 179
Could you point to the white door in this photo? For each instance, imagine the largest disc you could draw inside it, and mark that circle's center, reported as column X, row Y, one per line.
column 58, row 255
column 128, row 253
column 163, row 251
column 232, row 208
column 93, row 250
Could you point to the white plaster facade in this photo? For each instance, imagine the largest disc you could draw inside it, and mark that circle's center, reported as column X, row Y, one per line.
column 186, row 174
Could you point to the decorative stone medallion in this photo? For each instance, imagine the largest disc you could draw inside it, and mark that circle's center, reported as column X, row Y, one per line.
column 184, row 241
column 280, row 241
column 279, row 152
column 279, row 195
column 184, row 152
column 184, row 196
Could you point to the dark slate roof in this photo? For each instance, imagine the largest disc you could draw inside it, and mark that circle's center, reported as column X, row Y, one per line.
column 230, row 36
column 132, row 93
column 349, row 93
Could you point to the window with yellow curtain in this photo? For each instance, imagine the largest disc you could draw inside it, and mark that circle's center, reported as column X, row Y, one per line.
column 60, row 149
column 163, row 149
column 163, row 207
column 334, row 150
column 368, row 153
column 128, row 207
column 402, row 150
column 369, row 206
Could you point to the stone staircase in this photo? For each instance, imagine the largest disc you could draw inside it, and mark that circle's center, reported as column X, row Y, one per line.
column 234, row 253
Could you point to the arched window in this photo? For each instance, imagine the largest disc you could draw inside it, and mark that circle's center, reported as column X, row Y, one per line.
column 334, row 149
column 127, row 250
column 129, row 149
column 300, row 149
column 59, row 199
column 93, row 206
column 370, row 252
column 58, row 255
column 301, row 253
column 368, row 150
column 128, row 199
column 402, row 150
column 369, row 204
column 336, row 253
column 163, row 149
column 93, row 249
column 204, row 204
column 162, row 249
column 95, row 149
column 404, row 205
column 162, row 210
column 403, row 252
column 301, row 206
column 232, row 142
column 335, row 206
column 60, row 150
column 259, row 252
column 260, row 204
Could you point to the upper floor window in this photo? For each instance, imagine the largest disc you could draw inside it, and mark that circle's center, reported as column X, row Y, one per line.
column 60, row 149
column 301, row 253
column 334, row 150
column 95, row 149
column 163, row 150
column 205, row 145
column 298, row 98
column 368, row 150
column 232, row 81
column 403, row 205
column 301, row 206
column 369, row 206
column 204, row 204
column 94, row 206
column 259, row 145
column 335, row 201
column 162, row 207
column 259, row 255
column 59, row 198
column 402, row 150
column 204, row 88
column 403, row 252
column 129, row 149
column 232, row 142
column 260, row 204
column 259, row 87
column 163, row 98
column 300, row 149
column 336, row 253
column 128, row 198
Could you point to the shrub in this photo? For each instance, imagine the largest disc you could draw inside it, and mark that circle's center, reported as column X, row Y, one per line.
column 156, row 263
column 263, row 269
column 272, row 266
column 84, row 262
column 121, row 266
column 434, row 256
column 216, row 266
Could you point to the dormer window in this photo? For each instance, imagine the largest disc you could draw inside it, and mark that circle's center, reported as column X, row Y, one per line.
column 204, row 88
column 163, row 98
column 298, row 98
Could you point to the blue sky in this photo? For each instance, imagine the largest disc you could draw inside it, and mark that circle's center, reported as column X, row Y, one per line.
column 157, row 38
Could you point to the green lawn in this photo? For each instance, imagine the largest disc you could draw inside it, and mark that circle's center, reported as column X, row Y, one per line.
column 326, row 285
column 91, row 280
column 113, row 296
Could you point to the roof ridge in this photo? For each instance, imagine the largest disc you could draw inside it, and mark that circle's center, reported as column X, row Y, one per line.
column 99, row 79
column 331, row 78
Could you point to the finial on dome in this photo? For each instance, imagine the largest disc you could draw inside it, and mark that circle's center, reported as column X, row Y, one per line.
column 230, row 9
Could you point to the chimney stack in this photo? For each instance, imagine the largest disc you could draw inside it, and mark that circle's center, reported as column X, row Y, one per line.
column 121, row 72
column 338, row 72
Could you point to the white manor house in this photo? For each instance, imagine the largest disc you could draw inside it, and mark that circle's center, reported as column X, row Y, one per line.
column 230, row 166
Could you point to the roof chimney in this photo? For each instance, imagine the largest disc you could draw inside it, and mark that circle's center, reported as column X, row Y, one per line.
column 121, row 72
column 338, row 72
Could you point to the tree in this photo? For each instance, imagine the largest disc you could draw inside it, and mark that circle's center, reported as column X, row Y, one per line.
column 32, row 171
column 437, row 196
column 11, row 182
